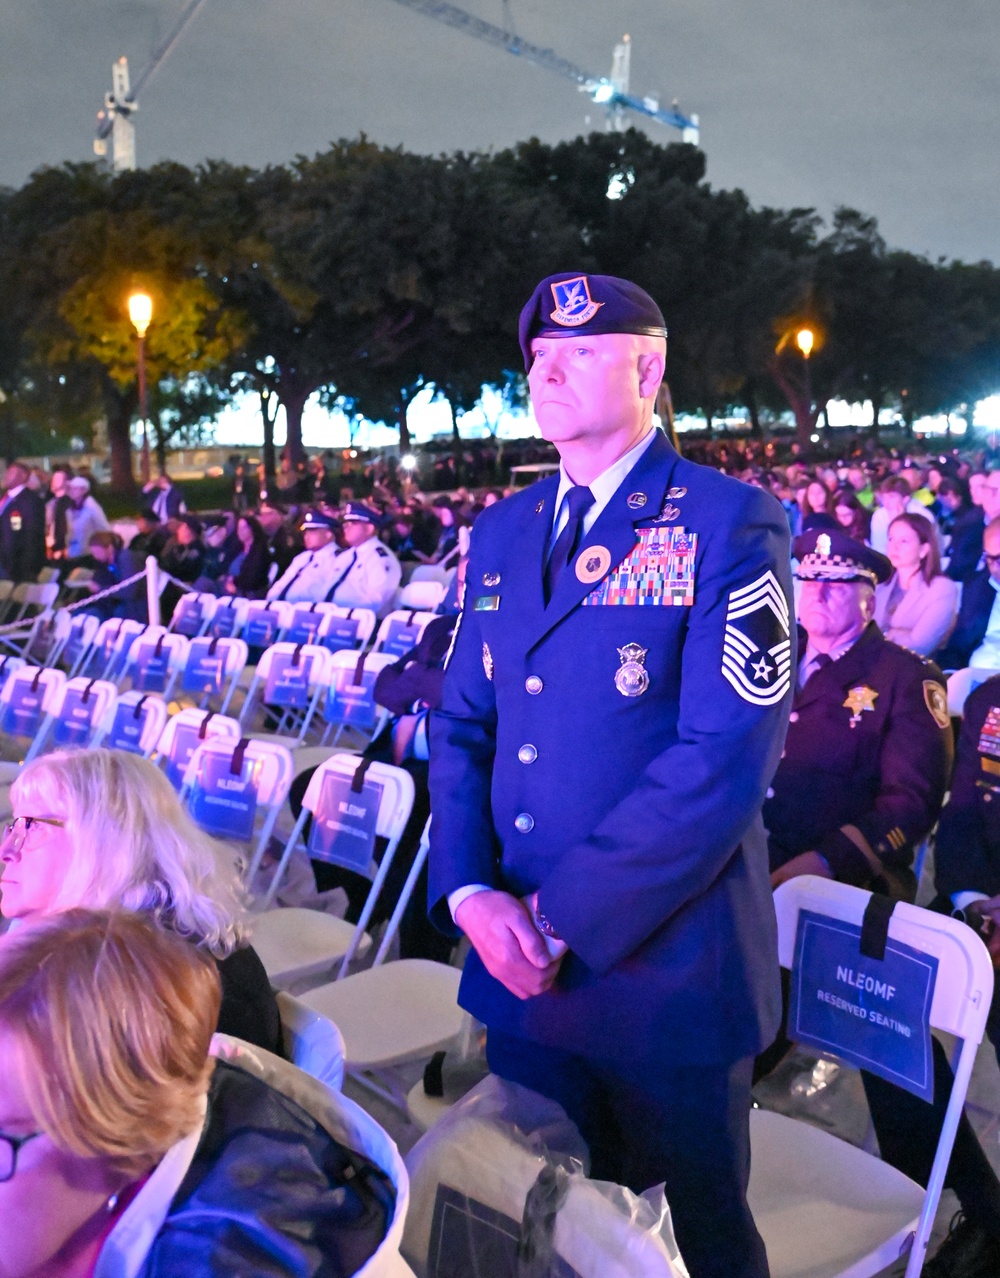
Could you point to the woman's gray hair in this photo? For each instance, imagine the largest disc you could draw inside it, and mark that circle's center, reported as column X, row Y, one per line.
column 135, row 847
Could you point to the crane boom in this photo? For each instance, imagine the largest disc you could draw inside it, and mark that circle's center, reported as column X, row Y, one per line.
column 123, row 105
column 602, row 90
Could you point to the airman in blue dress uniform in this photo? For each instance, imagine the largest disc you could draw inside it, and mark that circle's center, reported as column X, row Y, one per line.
column 613, row 710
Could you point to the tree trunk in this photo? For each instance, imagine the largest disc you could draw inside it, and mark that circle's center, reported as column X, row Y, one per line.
column 161, row 452
column 456, row 444
column 752, row 408
column 404, row 429
column 876, row 405
column 294, row 402
column 270, row 465
column 799, row 397
column 119, row 413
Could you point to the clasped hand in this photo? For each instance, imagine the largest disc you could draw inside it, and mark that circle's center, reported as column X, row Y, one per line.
column 984, row 917
column 506, row 939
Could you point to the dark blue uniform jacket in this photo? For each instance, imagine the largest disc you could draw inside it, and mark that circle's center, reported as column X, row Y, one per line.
column 967, row 846
column 637, row 818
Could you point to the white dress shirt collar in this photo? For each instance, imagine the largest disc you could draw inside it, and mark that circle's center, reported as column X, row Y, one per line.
column 603, row 487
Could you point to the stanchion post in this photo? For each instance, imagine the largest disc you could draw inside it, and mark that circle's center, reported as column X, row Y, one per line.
column 153, row 590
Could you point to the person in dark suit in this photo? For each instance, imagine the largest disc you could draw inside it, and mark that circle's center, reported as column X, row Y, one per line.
column 978, row 624
column 613, row 709
column 165, row 498
column 964, row 524
column 868, row 754
column 22, row 527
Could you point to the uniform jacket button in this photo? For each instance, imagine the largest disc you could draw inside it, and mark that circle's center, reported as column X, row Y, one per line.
column 524, row 823
column 793, row 717
column 987, row 797
column 533, row 685
column 527, row 754
column 770, row 792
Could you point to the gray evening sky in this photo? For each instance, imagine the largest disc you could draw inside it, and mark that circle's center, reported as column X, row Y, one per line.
column 887, row 105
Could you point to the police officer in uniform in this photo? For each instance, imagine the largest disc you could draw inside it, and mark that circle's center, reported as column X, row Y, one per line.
column 612, row 712
column 366, row 574
column 22, row 527
column 312, row 575
column 868, row 754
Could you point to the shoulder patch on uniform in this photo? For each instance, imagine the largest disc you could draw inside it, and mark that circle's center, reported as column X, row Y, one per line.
column 936, row 700
column 756, row 649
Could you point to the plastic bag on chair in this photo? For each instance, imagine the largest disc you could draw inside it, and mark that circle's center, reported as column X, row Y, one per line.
column 498, row 1190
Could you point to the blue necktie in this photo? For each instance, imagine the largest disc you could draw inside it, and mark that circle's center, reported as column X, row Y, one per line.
column 579, row 500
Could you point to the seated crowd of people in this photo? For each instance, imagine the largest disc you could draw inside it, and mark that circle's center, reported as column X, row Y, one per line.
column 898, row 577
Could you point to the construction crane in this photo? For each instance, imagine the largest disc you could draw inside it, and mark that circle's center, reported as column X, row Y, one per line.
column 121, row 104
column 611, row 92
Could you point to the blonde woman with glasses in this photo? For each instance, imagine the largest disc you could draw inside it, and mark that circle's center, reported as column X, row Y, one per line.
column 103, row 829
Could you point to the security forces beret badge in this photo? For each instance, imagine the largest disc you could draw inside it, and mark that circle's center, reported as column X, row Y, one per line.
column 573, row 304
column 756, row 650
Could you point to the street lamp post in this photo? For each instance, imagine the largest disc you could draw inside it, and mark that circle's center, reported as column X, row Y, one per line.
column 805, row 340
column 140, row 311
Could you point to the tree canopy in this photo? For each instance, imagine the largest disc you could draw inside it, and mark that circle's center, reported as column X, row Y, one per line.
column 366, row 273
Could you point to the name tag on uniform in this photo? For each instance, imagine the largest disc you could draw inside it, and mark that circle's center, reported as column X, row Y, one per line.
column 659, row 570
column 487, row 603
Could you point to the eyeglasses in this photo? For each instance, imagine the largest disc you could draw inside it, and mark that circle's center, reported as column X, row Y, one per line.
column 10, row 1147
column 17, row 830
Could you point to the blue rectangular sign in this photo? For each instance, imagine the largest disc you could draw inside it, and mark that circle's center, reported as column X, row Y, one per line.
column 343, row 824
column 75, row 724
column 350, row 703
column 188, row 617
column 400, row 637
column 151, row 669
column 288, row 684
column 873, row 1013
column 126, row 731
column 204, row 669
column 342, row 634
column 261, row 627
column 24, row 710
column 224, row 804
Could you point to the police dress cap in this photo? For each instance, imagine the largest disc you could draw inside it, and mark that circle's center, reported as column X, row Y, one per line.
column 830, row 555
column 361, row 513
column 568, row 303
column 316, row 519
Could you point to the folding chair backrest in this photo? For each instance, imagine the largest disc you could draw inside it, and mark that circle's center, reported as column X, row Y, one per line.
column 423, row 595
column 111, row 645
column 306, row 621
column 8, row 665
column 227, row 787
column 401, row 631
column 346, row 629
column 32, row 594
column 868, row 987
column 429, row 572
column 265, row 620
column 350, row 700
column 311, row 1041
column 184, row 732
column 353, row 802
column 227, row 620
column 154, row 660
column 29, row 694
column 46, row 575
column 82, row 705
column 292, row 673
column 134, row 722
column 212, row 664
column 73, row 634
column 964, row 682
column 192, row 614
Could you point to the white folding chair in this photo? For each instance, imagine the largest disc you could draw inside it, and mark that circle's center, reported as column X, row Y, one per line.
column 265, row 622
column 6, row 590
column 312, row 1042
column 344, row 629
column 111, row 644
column 429, row 572
column 75, row 634
column 45, row 575
column 824, row 1208
column 212, row 669
column 228, row 618
column 183, row 734
column 301, row 946
column 133, row 722
column 8, row 664
column 74, row 718
column 29, row 695
column 306, row 621
column 962, row 683
column 193, row 614
column 290, row 679
column 33, row 595
column 422, row 595
column 229, row 788
column 31, row 604
column 401, row 631
column 350, row 699
column 155, row 660
column 392, row 1013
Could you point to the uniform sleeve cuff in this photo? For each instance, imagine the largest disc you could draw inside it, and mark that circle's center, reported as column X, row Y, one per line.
column 461, row 894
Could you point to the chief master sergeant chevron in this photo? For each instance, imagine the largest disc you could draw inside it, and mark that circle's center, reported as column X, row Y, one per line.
column 613, row 710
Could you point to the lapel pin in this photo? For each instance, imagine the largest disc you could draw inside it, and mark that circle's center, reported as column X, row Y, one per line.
column 592, row 564
column 491, row 579
column 636, row 501
column 540, row 507
column 676, row 493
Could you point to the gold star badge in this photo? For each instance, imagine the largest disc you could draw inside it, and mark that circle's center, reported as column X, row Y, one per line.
column 859, row 699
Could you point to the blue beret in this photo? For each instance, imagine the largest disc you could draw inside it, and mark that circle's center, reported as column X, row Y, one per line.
column 566, row 304
column 361, row 512
column 830, row 555
column 316, row 519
